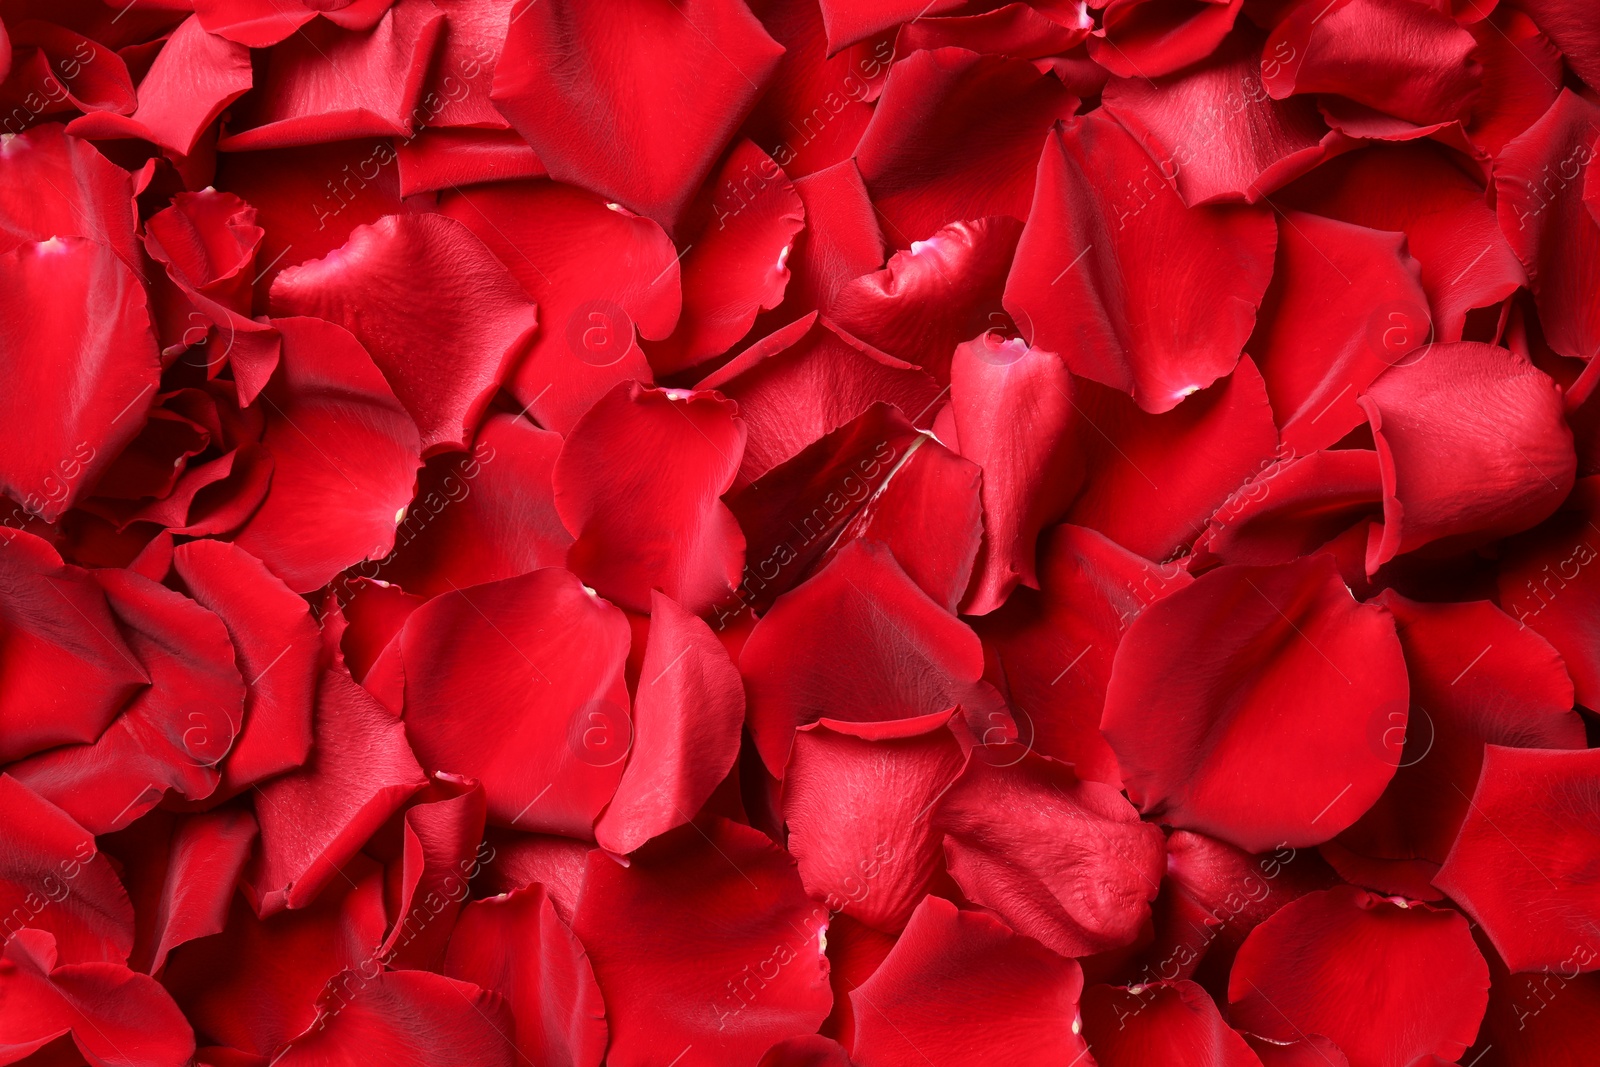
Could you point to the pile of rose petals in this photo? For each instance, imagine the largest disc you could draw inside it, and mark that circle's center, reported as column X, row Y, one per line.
column 799, row 533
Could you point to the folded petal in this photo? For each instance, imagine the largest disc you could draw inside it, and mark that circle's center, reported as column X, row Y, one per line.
column 439, row 852
column 208, row 854
column 518, row 683
column 1168, row 1022
column 1389, row 982
column 667, row 84
column 1149, row 38
column 1521, row 78
column 262, row 23
column 738, row 964
column 1571, row 26
column 1135, row 290
column 1535, row 896
column 961, row 988
column 841, row 241
column 688, row 712
column 446, row 353
column 1294, row 507
column 954, row 136
column 62, row 186
column 1269, row 742
column 344, row 453
column 1472, row 446
column 860, row 643
column 445, row 158
column 638, row 483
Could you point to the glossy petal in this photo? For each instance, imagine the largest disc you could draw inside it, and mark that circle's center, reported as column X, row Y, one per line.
column 1176, row 1023
column 1149, row 38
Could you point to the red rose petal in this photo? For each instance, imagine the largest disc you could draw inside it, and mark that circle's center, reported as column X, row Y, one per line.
column 1014, row 413
column 70, row 310
column 556, row 863
column 1173, row 1022
column 1539, row 1019
column 1535, row 896
column 943, row 291
column 599, row 273
column 672, row 84
column 1012, row 30
column 734, row 962
column 841, row 242
column 1295, row 507
column 954, row 136
column 518, row 683
column 860, row 642
column 64, row 187
column 640, row 525
column 960, row 988
column 1103, row 286
column 1521, row 78
column 1311, row 1051
column 435, row 159
column 857, row 799
column 262, row 23
column 1149, row 38
column 1214, row 131
column 813, row 1050
column 1539, row 187
column 1318, row 355
column 343, row 450
column 457, row 93
column 67, row 670
column 807, row 380
column 1447, row 426
column 517, row 946
column 1388, row 982
column 1068, row 864
column 209, row 852
column 688, row 711
column 440, row 839
column 53, row 880
column 1216, row 751
column 849, row 21
column 1571, row 26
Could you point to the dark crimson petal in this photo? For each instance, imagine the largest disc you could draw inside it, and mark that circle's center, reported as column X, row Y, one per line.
column 440, row 849
column 411, row 1017
column 1570, row 24
column 517, row 946
column 315, row 818
column 1547, row 583
column 480, row 517
column 815, row 107
column 1317, row 355
column 1052, row 650
column 737, row 263
column 255, row 985
column 304, row 217
column 634, row 102
column 53, row 880
column 1149, row 38
column 276, row 646
column 688, row 712
column 193, row 79
column 841, row 242
column 1438, row 200
column 1521, row 78
column 436, row 159
column 1389, row 982
column 1313, row 1050
column 813, row 1050
column 556, row 863
column 1294, row 507
column 734, row 960
column 856, row 801
column 1539, row 184
column 1215, row 750
column 1540, row 1019
column 859, row 642
column 941, row 292
column 1168, row 1022
column 105, row 1007
column 598, row 272
column 80, row 362
column 1477, row 677
column 208, row 854
column 1096, row 276
column 457, row 93
column 797, row 513
column 1214, row 131
column 954, row 137
column 67, row 670
column 929, row 515
column 1063, row 861
column 1446, row 427
column 807, row 380
column 961, row 990
column 445, row 348
column 262, row 23
column 640, row 525
column 344, row 454
column 1412, row 879
column 1155, row 479
column 518, row 683
column 59, row 186
column 1535, row 896
column 1015, row 418
column 172, row 735
column 1405, row 59
column 326, row 83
